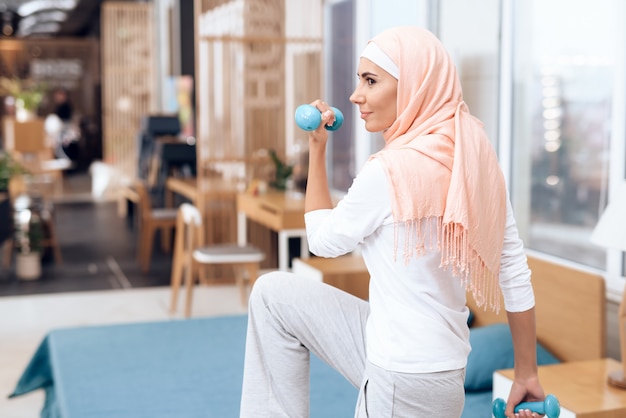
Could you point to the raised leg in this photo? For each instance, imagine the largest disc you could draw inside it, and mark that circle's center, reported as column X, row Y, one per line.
column 289, row 317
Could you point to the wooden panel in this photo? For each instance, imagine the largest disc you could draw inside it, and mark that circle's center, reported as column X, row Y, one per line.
column 307, row 83
column 25, row 137
column 574, row 297
column 250, row 76
column 240, row 79
column 570, row 310
column 128, row 82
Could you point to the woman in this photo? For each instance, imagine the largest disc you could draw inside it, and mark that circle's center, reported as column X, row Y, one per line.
column 431, row 216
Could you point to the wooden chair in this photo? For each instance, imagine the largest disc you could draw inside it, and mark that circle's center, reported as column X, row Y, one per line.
column 188, row 255
column 152, row 220
column 50, row 232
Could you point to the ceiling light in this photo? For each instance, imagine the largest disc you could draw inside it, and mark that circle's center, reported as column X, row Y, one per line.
column 39, row 18
column 35, row 6
column 42, row 28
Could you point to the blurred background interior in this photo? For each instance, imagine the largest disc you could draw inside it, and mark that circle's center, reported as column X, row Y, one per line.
column 112, row 113
column 96, row 95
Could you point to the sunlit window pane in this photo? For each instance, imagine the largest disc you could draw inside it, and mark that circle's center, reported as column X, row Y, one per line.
column 563, row 81
column 341, row 81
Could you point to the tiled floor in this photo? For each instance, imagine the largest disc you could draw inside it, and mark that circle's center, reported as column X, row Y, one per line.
column 99, row 282
column 98, row 248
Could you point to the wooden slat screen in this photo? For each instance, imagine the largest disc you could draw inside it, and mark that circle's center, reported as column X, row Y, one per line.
column 128, row 83
column 245, row 94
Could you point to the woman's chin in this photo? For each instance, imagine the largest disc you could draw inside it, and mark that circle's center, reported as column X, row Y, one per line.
column 372, row 127
column 375, row 129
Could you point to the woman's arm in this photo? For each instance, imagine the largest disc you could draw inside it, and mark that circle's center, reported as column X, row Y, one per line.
column 526, row 386
column 336, row 230
column 515, row 281
column 317, row 194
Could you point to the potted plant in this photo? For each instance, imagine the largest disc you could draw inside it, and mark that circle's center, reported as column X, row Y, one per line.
column 27, row 93
column 282, row 172
column 8, row 168
column 29, row 237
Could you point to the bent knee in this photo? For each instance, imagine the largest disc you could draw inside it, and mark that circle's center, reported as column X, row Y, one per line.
column 267, row 285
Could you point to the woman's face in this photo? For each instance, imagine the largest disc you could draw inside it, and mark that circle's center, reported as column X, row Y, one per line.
column 375, row 95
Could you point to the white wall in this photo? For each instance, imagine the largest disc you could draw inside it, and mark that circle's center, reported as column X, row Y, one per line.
column 163, row 9
column 470, row 32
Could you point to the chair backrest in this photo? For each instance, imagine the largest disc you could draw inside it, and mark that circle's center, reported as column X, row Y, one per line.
column 145, row 202
column 188, row 223
column 190, row 214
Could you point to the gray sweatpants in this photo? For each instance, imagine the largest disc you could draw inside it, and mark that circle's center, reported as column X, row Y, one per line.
column 290, row 316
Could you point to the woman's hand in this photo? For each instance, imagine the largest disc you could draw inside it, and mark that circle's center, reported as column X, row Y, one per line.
column 319, row 136
column 528, row 390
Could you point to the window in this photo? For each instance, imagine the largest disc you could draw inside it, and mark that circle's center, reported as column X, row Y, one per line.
column 563, row 85
column 349, row 24
column 340, row 79
column 547, row 79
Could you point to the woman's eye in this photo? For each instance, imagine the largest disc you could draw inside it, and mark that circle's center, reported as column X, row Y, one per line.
column 370, row 81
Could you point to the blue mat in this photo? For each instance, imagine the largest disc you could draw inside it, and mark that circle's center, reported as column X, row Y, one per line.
column 182, row 368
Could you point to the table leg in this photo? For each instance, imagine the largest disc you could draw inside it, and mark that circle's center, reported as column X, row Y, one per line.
column 242, row 226
column 283, row 246
column 283, row 250
column 304, row 247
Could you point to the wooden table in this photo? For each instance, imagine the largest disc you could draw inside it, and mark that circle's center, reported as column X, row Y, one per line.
column 278, row 212
column 580, row 386
column 274, row 210
column 45, row 174
column 211, row 188
column 215, row 198
column 186, row 187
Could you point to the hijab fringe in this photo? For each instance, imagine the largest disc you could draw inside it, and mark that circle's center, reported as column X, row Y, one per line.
column 456, row 254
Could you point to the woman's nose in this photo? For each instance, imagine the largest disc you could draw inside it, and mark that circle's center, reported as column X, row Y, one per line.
column 355, row 97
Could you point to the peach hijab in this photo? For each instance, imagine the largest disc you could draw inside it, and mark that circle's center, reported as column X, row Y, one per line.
column 441, row 164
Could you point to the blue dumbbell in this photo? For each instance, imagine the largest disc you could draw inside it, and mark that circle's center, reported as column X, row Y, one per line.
column 308, row 117
column 550, row 407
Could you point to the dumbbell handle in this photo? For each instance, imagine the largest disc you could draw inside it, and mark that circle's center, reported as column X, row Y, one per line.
column 549, row 407
column 308, row 118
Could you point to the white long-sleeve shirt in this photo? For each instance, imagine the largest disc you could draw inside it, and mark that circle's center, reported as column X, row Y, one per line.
column 418, row 314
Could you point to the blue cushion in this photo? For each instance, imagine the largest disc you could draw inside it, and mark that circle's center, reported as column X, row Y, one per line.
column 492, row 349
column 470, row 318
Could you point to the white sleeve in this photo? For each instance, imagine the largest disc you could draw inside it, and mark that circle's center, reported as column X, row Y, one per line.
column 515, row 275
column 338, row 231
